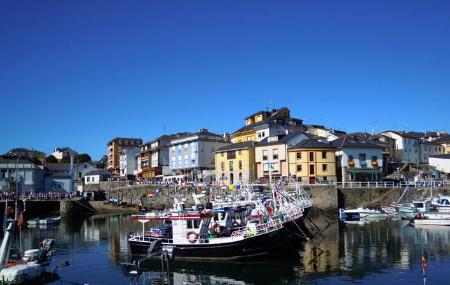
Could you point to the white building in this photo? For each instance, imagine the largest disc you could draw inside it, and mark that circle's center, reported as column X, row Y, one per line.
column 358, row 159
column 96, row 176
column 59, row 183
column 441, row 162
column 29, row 176
column 407, row 146
column 272, row 152
column 61, row 152
column 127, row 161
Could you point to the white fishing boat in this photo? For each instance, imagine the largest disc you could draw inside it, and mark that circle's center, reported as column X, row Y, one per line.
column 442, row 204
column 46, row 221
column 361, row 214
column 432, row 219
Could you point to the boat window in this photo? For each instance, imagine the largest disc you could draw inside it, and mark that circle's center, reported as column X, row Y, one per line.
column 189, row 224
column 446, row 202
column 418, row 205
column 197, row 223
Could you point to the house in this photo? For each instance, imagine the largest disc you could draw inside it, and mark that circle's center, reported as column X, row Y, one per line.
column 62, row 152
column 153, row 158
column 263, row 124
column 21, row 171
column 128, row 162
column 192, row 156
column 76, row 171
column 271, row 155
column 114, row 149
column 96, row 176
column 323, row 132
column 441, row 162
column 358, row 159
column 312, row 161
column 60, row 183
column 444, row 141
column 35, row 155
column 430, row 148
column 407, row 145
column 235, row 163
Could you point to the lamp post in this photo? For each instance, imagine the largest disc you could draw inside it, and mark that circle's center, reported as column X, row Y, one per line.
column 17, row 188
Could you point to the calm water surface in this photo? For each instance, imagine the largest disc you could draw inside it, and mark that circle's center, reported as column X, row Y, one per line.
column 386, row 252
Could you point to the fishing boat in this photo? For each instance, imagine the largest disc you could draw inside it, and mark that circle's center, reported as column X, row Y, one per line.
column 361, row 214
column 193, row 240
column 441, row 204
column 410, row 210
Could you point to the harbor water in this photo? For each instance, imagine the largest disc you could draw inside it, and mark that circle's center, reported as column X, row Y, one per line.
column 91, row 251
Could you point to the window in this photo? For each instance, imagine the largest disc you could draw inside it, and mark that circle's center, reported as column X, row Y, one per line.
column 88, row 179
column 299, row 168
column 240, row 164
column 265, row 157
column 275, row 153
column 325, row 178
column 222, row 154
column 240, row 176
column 311, row 156
column 299, row 155
column 231, row 155
column 311, row 169
column 324, row 154
column 231, row 166
column 193, row 161
column 324, row 167
column 222, row 165
column 351, row 161
column 362, row 159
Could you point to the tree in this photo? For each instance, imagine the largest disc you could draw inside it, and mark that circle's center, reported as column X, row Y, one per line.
column 83, row 157
column 51, row 159
column 36, row 160
column 65, row 159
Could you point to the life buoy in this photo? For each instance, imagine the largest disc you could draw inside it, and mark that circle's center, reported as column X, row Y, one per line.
column 192, row 236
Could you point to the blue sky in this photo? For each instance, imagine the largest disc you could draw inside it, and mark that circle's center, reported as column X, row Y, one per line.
column 79, row 73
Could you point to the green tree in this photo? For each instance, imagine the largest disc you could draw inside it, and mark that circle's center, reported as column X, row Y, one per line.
column 83, row 157
column 65, row 159
column 51, row 159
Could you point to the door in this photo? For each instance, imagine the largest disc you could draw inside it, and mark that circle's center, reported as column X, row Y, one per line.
column 312, row 180
column 231, row 178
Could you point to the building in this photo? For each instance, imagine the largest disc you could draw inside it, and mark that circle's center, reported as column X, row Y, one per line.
column 154, row 159
column 38, row 157
column 323, row 132
column 271, row 155
column 430, row 148
column 263, row 124
column 444, row 141
column 312, row 161
column 441, row 162
column 128, row 162
column 192, row 156
column 62, row 152
column 96, row 176
column 115, row 147
column 358, row 159
column 60, row 183
column 235, row 163
column 407, row 145
column 20, row 171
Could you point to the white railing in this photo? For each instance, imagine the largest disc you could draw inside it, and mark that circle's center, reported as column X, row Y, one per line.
column 385, row 184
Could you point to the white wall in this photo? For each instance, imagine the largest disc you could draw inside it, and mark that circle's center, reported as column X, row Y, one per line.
column 345, row 153
column 441, row 164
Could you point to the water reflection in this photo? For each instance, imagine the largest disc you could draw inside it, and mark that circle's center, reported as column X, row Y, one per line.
column 97, row 246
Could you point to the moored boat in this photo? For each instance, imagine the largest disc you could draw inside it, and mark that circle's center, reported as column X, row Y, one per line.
column 432, row 219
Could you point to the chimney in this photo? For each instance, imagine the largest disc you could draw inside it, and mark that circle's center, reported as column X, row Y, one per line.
column 226, row 136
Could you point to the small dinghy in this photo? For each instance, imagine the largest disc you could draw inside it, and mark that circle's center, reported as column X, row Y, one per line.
column 432, row 219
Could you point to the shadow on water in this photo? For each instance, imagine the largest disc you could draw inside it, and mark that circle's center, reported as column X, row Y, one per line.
column 96, row 247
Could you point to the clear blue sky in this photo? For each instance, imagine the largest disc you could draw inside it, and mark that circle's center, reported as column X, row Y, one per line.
column 79, row 73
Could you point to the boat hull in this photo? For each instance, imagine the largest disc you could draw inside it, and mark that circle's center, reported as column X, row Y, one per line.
column 253, row 247
column 431, row 222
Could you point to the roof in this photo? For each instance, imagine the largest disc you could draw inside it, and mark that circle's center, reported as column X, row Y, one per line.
column 22, row 151
column 310, row 143
column 431, row 143
column 353, row 141
column 98, row 172
column 236, row 146
column 443, row 139
column 58, row 166
column 122, row 138
column 410, row 135
column 445, row 156
column 13, row 159
column 281, row 139
column 202, row 132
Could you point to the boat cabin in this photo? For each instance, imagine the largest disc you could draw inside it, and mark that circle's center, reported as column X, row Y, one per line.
column 190, row 228
column 422, row 206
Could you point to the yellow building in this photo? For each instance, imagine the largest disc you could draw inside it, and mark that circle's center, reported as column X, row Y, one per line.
column 235, row 163
column 311, row 161
column 115, row 147
column 266, row 123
